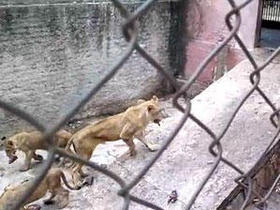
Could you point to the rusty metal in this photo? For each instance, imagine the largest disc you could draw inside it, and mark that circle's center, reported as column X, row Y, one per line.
column 130, row 33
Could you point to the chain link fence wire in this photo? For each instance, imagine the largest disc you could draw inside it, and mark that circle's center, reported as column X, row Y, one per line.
column 130, row 31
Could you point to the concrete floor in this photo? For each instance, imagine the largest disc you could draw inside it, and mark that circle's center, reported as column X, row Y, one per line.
column 186, row 162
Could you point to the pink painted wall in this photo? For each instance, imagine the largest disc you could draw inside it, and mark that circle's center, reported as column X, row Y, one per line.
column 206, row 28
column 249, row 23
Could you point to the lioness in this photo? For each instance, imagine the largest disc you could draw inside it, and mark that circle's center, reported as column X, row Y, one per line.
column 28, row 142
column 51, row 183
column 125, row 126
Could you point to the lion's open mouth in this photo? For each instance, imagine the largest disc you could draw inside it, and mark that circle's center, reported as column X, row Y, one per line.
column 157, row 121
column 13, row 159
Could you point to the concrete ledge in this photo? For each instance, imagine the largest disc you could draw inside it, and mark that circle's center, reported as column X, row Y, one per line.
column 183, row 166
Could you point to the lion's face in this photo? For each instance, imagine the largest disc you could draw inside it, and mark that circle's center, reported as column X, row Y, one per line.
column 10, row 151
column 154, row 111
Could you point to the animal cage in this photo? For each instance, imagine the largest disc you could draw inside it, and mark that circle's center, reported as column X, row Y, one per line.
column 271, row 14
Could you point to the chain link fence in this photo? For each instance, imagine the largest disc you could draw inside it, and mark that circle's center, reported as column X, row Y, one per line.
column 130, row 32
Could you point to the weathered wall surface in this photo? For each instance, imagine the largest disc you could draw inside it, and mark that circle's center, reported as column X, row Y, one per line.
column 51, row 55
column 206, row 28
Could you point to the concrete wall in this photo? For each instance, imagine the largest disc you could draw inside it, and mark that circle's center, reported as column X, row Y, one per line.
column 51, row 55
column 206, row 28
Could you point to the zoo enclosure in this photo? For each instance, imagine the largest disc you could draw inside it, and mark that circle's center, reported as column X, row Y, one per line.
column 130, row 32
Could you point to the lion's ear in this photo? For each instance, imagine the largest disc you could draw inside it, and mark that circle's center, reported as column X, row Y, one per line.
column 140, row 101
column 3, row 142
column 155, row 98
column 150, row 107
column 1, row 145
column 10, row 143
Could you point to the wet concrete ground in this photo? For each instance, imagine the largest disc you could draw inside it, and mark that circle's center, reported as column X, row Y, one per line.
column 270, row 38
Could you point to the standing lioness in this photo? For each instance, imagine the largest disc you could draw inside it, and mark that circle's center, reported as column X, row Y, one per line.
column 29, row 142
column 125, row 126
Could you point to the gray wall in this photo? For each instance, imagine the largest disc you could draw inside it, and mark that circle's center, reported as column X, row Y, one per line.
column 51, row 55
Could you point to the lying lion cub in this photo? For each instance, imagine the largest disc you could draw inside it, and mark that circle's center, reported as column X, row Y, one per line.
column 28, row 142
column 51, row 183
column 125, row 126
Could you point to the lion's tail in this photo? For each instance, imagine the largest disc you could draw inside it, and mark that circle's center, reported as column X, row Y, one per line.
column 67, row 149
column 69, row 143
column 62, row 175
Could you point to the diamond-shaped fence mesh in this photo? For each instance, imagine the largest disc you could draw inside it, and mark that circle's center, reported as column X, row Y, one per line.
column 130, row 32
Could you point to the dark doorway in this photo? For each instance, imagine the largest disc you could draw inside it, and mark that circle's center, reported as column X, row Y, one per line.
column 270, row 24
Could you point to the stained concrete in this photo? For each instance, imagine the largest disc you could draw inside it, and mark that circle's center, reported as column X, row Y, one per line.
column 53, row 53
column 186, row 162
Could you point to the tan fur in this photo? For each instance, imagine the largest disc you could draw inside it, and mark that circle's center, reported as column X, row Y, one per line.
column 62, row 138
column 29, row 142
column 51, row 183
column 125, row 126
